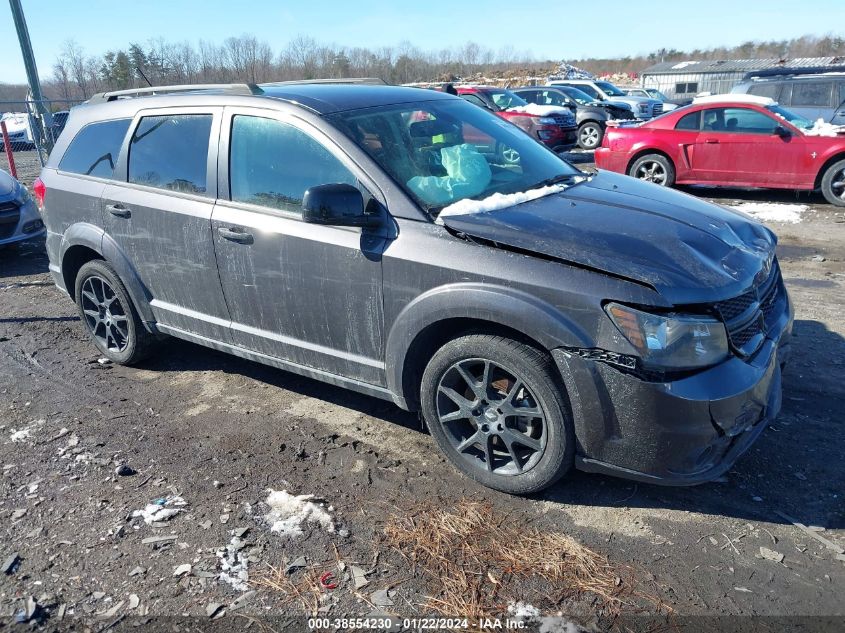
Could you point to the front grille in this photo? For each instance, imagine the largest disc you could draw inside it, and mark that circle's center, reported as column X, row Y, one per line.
column 10, row 215
column 564, row 121
column 657, row 110
column 748, row 316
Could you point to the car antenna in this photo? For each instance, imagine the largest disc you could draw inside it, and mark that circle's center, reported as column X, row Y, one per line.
column 141, row 72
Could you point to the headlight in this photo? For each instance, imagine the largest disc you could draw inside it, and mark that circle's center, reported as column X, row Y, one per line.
column 22, row 196
column 671, row 342
column 546, row 120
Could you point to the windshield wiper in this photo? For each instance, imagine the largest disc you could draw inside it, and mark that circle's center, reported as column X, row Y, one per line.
column 554, row 180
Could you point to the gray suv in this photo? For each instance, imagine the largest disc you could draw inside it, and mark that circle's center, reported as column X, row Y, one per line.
column 408, row 245
column 812, row 96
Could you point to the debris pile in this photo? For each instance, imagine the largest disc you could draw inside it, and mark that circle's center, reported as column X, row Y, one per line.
column 161, row 510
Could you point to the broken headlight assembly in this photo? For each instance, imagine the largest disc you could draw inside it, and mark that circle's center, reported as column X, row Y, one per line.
column 671, row 341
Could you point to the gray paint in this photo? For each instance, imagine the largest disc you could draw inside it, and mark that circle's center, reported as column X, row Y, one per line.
column 345, row 305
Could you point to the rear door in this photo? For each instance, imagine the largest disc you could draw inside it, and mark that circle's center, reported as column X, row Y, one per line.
column 739, row 146
column 838, row 117
column 306, row 293
column 813, row 99
column 160, row 216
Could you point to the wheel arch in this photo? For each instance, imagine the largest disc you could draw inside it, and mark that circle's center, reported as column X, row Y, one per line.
column 442, row 314
column 823, row 169
column 82, row 243
column 645, row 152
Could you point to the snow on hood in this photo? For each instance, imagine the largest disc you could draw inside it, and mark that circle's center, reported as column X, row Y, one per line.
column 539, row 110
column 823, row 128
column 500, row 201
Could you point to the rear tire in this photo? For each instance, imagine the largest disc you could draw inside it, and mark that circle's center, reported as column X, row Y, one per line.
column 590, row 135
column 833, row 184
column 108, row 315
column 496, row 410
column 654, row 168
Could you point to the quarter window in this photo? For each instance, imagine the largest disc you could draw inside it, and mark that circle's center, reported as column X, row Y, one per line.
column 94, row 150
column 812, row 93
column 691, row 121
column 272, row 164
column 171, row 152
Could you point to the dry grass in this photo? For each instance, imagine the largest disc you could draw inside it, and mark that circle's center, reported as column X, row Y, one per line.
column 479, row 562
column 305, row 589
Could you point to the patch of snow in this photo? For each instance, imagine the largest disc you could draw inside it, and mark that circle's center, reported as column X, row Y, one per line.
column 288, row 512
column 21, row 435
column 772, row 212
column 539, row 110
column 521, row 609
column 497, row 201
column 166, row 509
column 680, row 65
column 823, row 128
column 558, row 625
column 234, row 565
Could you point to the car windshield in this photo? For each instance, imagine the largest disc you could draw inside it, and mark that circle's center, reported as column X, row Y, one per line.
column 798, row 121
column 580, row 97
column 609, row 89
column 448, row 150
column 505, row 99
column 656, row 94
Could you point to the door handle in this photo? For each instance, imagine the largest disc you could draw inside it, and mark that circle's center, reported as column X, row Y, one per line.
column 235, row 235
column 711, row 141
column 118, row 210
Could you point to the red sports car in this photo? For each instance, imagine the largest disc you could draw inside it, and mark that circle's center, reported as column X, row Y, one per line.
column 732, row 141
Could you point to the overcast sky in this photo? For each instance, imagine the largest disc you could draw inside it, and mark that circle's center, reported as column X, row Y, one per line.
column 555, row 30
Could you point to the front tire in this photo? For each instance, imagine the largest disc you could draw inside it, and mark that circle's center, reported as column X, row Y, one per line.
column 833, row 184
column 108, row 316
column 590, row 135
column 495, row 409
column 654, row 168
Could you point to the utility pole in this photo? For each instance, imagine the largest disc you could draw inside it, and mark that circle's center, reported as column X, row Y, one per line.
column 43, row 119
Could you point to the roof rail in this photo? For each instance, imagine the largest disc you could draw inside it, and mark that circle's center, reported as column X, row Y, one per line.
column 347, row 80
column 787, row 72
column 233, row 89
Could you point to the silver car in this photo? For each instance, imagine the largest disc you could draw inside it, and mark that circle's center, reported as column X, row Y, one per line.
column 19, row 219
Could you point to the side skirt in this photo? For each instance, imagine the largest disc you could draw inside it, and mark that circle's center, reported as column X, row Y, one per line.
column 309, row 372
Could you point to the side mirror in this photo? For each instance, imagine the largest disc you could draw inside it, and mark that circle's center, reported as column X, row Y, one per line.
column 782, row 131
column 336, row 205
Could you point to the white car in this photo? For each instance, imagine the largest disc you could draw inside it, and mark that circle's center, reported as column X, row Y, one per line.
column 18, row 129
column 652, row 93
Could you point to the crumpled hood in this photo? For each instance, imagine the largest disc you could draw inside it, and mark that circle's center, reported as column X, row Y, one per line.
column 689, row 250
column 8, row 185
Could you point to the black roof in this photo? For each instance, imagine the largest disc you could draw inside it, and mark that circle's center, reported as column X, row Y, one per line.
column 328, row 98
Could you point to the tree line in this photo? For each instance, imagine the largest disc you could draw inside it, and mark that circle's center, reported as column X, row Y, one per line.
column 76, row 74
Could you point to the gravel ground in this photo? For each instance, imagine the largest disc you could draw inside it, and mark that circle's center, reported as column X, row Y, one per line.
column 219, row 432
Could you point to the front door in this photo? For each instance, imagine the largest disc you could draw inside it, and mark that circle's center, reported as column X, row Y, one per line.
column 160, row 216
column 739, row 146
column 305, row 293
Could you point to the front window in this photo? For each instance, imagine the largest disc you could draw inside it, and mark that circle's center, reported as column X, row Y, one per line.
column 441, row 152
column 580, row 97
column 554, row 98
column 505, row 99
column 609, row 89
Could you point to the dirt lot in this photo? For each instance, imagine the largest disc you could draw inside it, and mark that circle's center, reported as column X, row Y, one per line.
column 219, row 433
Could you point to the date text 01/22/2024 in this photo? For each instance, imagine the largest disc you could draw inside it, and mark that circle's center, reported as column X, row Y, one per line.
column 391, row 622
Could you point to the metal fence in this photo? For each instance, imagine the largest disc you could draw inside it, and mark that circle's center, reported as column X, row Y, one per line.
column 22, row 151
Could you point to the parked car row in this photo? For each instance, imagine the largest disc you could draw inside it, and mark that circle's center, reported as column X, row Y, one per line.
column 20, row 131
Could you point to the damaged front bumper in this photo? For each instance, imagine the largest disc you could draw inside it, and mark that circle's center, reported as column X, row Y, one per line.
column 681, row 432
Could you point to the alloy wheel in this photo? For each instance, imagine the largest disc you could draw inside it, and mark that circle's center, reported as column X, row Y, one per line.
column 837, row 184
column 589, row 137
column 105, row 316
column 490, row 417
column 652, row 171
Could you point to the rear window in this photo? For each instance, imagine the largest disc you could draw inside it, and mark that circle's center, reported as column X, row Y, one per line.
column 769, row 90
column 171, row 152
column 94, row 150
column 812, row 93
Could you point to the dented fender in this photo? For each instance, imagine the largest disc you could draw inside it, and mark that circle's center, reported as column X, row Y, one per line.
column 500, row 305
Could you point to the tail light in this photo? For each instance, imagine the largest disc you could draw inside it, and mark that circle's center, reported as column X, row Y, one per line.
column 40, row 191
